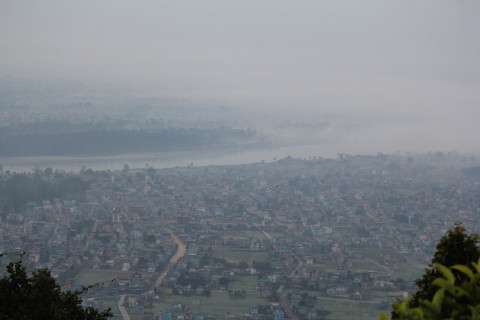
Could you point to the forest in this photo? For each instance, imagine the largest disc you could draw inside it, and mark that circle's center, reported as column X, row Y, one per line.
column 16, row 190
column 116, row 142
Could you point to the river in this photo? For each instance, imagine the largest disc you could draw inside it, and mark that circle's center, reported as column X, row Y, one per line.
column 204, row 157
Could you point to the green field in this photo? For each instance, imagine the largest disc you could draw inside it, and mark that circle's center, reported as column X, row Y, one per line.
column 324, row 263
column 409, row 271
column 247, row 283
column 375, row 253
column 255, row 234
column 277, row 234
column 216, row 304
column 112, row 304
column 89, row 276
column 363, row 265
column 346, row 310
column 233, row 234
column 239, row 256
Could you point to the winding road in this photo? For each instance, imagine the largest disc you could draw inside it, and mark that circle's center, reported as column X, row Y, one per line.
column 181, row 251
column 121, row 307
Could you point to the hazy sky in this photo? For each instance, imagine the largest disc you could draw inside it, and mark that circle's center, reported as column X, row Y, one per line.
column 403, row 68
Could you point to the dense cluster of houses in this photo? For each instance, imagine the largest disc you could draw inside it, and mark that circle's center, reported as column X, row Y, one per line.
column 305, row 211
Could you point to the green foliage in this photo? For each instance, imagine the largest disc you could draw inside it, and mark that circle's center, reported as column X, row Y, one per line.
column 116, row 141
column 461, row 301
column 263, row 266
column 455, row 247
column 18, row 189
column 36, row 295
column 450, row 265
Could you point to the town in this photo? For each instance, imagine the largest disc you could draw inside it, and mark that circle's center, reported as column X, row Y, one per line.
column 291, row 239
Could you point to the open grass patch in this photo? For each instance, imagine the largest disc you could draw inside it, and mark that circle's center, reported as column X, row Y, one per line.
column 255, row 234
column 90, row 276
column 363, row 265
column 409, row 272
column 257, row 256
column 233, row 234
column 112, row 304
column 216, row 304
column 345, row 310
column 230, row 255
column 247, row 283
column 376, row 253
column 235, row 256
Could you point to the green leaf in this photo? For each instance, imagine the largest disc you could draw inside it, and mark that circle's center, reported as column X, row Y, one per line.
column 402, row 307
column 464, row 270
column 429, row 313
column 476, row 312
column 446, row 272
column 476, row 265
column 476, row 278
column 418, row 313
column 442, row 283
column 457, row 291
column 383, row 316
column 438, row 299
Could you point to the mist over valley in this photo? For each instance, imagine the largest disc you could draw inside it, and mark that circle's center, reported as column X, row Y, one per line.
column 252, row 160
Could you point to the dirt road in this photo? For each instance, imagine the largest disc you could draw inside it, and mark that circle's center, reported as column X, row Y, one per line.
column 181, row 251
column 121, row 307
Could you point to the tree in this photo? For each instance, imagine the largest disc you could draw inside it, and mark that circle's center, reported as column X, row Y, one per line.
column 451, row 300
column 126, row 167
column 151, row 171
column 456, row 247
column 48, row 171
column 36, row 295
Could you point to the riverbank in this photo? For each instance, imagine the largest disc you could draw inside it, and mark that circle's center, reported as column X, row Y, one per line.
column 204, row 157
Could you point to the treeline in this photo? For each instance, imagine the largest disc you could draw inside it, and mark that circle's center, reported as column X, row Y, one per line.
column 53, row 126
column 18, row 189
column 115, row 142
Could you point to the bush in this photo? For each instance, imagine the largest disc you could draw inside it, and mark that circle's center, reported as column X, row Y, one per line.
column 462, row 301
column 36, row 295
